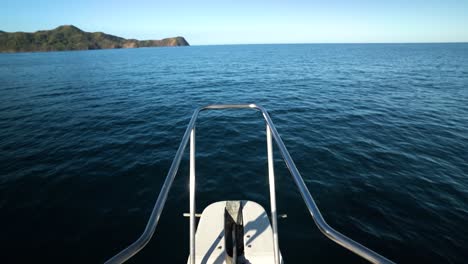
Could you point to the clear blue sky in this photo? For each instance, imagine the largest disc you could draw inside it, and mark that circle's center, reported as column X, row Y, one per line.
column 243, row 21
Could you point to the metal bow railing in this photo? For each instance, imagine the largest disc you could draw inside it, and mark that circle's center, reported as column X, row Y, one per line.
column 271, row 132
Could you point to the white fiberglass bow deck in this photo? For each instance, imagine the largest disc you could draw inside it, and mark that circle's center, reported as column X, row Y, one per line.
column 228, row 231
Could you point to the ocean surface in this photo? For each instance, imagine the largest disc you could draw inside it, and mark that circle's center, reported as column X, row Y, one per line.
column 379, row 133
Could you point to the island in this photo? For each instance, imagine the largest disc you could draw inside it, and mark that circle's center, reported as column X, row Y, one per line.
column 69, row 37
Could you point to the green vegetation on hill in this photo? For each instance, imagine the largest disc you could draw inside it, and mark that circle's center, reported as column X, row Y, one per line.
column 73, row 38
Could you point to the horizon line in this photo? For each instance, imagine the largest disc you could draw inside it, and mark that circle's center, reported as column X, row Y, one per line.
column 321, row 43
column 265, row 43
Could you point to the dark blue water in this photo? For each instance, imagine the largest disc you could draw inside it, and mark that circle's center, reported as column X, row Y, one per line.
column 379, row 133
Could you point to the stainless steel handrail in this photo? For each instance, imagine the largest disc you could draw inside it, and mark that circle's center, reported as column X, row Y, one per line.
column 327, row 230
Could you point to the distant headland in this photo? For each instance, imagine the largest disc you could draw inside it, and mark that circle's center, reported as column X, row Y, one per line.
column 69, row 37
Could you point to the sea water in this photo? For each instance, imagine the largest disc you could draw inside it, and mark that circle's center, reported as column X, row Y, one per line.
column 379, row 133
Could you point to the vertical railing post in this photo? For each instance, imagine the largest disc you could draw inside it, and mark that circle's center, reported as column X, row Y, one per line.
column 271, row 177
column 192, row 196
